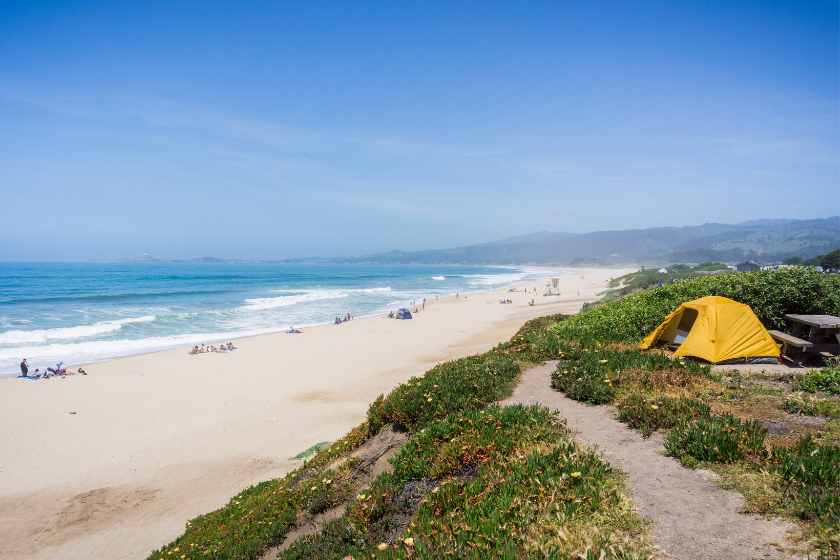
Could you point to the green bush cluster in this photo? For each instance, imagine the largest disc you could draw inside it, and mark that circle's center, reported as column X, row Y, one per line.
column 535, row 343
column 811, row 475
column 696, row 433
column 464, row 384
column 717, row 439
column 592, row 373
column 649, row 415
column 522, row 465
column 771, row 294
column 799, row 403
column 826, row 380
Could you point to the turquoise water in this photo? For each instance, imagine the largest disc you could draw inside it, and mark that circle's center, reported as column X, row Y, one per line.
column 81, row 313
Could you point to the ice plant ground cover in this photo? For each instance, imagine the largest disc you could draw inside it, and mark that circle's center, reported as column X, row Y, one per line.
column 475, row 480
column 500, row 482
column 506, row 480
column 718, row 422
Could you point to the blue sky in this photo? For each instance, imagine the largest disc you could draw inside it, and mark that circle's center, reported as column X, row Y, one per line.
column 281, row 129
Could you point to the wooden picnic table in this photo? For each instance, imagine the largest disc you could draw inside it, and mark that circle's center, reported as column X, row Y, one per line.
column 824, row 336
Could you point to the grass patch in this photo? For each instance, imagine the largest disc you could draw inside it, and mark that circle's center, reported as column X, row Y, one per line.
column 799, row 403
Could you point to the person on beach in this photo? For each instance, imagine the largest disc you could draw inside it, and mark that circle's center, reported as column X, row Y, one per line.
column 337, row 321
column 424, row 304
column 24, row 368
column 194, row 350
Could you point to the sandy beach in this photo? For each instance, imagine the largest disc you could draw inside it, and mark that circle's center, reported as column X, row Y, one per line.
column 113, row 464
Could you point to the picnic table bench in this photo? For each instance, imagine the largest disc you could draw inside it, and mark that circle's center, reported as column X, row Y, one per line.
column 825, row 330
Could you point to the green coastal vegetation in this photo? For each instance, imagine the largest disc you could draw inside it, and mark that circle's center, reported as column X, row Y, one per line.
column 473, row 479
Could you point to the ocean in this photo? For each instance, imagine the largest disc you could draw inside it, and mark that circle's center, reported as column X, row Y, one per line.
column 81, row 313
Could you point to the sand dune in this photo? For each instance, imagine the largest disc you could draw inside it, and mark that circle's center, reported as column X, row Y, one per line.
column 159, row 438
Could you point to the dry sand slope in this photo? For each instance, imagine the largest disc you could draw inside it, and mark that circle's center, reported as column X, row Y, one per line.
column 159, row 438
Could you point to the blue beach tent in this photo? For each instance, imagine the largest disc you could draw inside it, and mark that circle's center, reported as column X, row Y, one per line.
column 403, row 314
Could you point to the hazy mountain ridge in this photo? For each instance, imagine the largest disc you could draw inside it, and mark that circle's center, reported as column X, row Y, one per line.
column 760, row 240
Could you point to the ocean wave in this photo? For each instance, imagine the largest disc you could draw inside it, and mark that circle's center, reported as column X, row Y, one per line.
column 102, row 327
column 494, row 279
column 290, row 299
column 438, row 278
column 96, row 298
column 76, row 353
column 372, row 290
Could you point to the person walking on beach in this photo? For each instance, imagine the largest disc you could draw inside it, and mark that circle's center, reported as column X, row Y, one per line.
column 24, row 368
column 424, row 304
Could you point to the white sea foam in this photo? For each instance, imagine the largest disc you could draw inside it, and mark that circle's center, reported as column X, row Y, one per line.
column 291, row 299
column 438, row 278
column 82, row 331
column 93, row 351
column 371, row 290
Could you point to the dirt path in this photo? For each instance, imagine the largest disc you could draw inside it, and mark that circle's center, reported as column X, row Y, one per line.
column 693, row 518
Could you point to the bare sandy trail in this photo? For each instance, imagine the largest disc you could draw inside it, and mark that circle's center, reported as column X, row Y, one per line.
column 159, row 438
column 680, row 501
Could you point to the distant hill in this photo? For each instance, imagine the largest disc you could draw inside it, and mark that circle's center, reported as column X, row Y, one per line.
column 762, row 240
column 200, row 260
column 757, row 240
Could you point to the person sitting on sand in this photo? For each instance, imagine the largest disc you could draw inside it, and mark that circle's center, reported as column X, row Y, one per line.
column 231, row 346
column 194, row 350
column 337, row 321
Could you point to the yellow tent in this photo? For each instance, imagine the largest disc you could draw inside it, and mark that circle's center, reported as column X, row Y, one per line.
column 714, row 329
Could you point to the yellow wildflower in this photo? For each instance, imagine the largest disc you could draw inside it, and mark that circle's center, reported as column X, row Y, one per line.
column 382, row 546
column 575, row 474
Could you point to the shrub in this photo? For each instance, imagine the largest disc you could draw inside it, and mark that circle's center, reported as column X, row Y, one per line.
column 465, row 384
column 592, row 373
column 770, row 294
column 797, row 403
column 826, row 379
column 650, row 414
column 535, row 343
column 812, row 479
column 718, row 439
